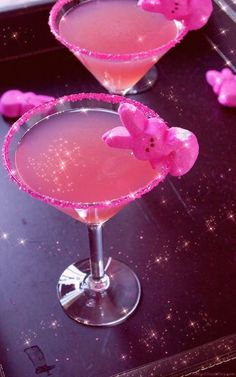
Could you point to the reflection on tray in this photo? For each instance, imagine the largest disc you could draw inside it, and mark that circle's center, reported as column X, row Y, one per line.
column 38, row 360
column 199, row 358
column 2, row 374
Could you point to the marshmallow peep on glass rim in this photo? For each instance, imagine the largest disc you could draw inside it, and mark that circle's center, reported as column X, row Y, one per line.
column 195, row 13
column 151, row 139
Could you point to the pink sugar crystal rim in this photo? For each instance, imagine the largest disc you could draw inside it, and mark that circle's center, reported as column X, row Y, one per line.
column 115, row 99
column 99, row 55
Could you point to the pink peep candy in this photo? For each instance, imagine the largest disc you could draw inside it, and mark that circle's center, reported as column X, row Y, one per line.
column 15, row 103
column 224, row 85
column 195, row 13
column 151, row 139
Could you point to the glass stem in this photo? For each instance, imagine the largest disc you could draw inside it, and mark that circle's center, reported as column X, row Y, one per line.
column 96, row 251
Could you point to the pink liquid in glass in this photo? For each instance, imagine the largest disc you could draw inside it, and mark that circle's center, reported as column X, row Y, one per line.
column 116, row 27
column 64, row 156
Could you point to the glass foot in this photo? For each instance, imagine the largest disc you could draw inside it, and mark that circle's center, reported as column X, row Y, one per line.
column 105, row 303
column 146, row 83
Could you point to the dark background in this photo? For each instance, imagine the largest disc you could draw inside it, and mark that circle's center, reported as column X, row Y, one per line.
column 180, row 238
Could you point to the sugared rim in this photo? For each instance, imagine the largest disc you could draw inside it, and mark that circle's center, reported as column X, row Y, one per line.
column 115, row 99
column 99, row 55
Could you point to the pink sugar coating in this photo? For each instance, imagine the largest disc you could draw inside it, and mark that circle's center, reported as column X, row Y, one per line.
column 115, row 99
column 116, row 57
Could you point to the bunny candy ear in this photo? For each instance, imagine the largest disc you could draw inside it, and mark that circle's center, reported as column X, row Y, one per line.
column 132, row 118
column 199, row 13
column 216, row 77
column 33, row 99
column 44, row 99
column 118, row 137
column 29, row 100
column 157, row 127
column 227, row 73
column 150, row 5
column 213, row 77
column 185, row 151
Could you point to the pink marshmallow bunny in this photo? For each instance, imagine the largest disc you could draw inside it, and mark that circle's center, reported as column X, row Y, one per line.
column 195, row 13
column 151, row 139
column 224, row 85
column 15, row 103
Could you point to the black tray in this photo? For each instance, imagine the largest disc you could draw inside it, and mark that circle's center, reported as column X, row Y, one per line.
column 180, row 238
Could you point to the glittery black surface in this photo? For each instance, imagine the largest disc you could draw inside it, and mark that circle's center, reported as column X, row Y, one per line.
column 180, row 238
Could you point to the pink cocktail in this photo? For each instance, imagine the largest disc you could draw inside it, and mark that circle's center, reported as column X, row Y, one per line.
column 65, row 157
column 63, row 161
column 117, row 41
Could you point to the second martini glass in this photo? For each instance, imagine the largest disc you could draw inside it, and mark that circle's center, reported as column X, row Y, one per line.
column 62, row 160
column 117, row 41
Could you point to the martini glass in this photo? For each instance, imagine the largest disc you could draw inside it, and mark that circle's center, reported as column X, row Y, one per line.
column 62, row 160
column 117, row 41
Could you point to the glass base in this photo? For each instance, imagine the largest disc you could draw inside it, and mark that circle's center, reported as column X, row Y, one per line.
column 104, row 303
column 146, row 82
